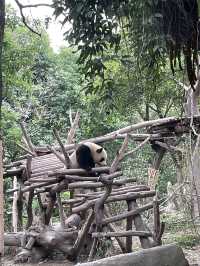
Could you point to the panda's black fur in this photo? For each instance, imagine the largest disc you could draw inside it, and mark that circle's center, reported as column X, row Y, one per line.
column 84, row 157
column 87, row 155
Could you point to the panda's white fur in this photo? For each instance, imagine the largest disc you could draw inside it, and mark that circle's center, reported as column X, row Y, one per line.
column 87, row 155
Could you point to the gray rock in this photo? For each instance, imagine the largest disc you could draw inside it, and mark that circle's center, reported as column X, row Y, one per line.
column 167, row 255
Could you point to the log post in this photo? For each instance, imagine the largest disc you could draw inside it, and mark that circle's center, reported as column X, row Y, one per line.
column 158, row 226
column 61, row 211
column 29, row 208
column 82, row 236
column 113, row 228
column 140, row 226
column 28, row 166
column 14, row 207
column 20, row 204
column 129, row 226
column 71, row 196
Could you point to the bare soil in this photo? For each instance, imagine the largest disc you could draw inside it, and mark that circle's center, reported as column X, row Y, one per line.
column 192, row 255
column 8, row 261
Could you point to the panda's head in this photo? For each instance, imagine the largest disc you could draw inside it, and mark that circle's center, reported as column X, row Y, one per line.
column 98, row 153
column 90, row 154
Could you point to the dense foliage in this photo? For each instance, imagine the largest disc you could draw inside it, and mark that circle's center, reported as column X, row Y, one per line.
column 43, row 87
column 154, row 26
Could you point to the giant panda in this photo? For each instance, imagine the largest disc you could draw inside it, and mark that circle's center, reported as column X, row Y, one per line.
column 87, row 155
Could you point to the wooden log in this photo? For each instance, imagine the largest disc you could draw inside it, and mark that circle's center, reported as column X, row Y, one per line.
column 158, row 226
column 121, row 244
column 29, row 209
column 74, row 172
column 13, row 164
column 128, row 196
column 124, row 215
column 66, row 156
column 143, row 124
column 27, row 138
column 43, row 160
column 73, row 201
column 140, row 226
column 116, row 190
column 76, row 250
column 119, row 155
column 31, row 187
column 85, row 184
column 129, row 226
column 118, row 134
column 20, row 206
column 67, row 177
column 44, row 163
column 113, row 228
column 28, row 166
column 122, row 234
column 169, row 255
column 72, row 131
column 14, row 207
column 52, row 199
column 30, row 243
column 47, row 239
column 40, row 180
column 13, row 172
column 47, row 168
column 13, row 239
column 61, row 211
column 93, row 249
column 25, row 149
column 137, row 148
column 114, row 193
column 71, row 196
column 57, row 154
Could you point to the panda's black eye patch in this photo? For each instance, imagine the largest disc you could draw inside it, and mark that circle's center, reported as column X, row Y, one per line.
column 99, row 150
column 102, row 159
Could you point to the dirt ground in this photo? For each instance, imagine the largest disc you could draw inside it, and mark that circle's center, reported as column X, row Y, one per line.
column 193, row 256
column 9, row 262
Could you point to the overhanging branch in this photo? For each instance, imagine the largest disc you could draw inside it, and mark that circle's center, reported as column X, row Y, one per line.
column 21, row 7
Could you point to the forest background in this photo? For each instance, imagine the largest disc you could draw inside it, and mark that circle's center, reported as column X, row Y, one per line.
column 124, row 85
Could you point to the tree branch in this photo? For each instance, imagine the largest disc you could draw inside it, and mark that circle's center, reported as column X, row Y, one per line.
column 21, row 7
column 137, row 148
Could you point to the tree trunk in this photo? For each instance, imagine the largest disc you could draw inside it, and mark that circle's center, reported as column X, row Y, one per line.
column 1, row 203
column 2, row 25
column 191, row 110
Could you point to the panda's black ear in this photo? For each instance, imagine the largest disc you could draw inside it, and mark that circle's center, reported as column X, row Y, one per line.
column 99, row 150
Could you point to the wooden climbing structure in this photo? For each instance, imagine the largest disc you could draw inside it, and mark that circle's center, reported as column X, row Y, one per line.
column 85, row 215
